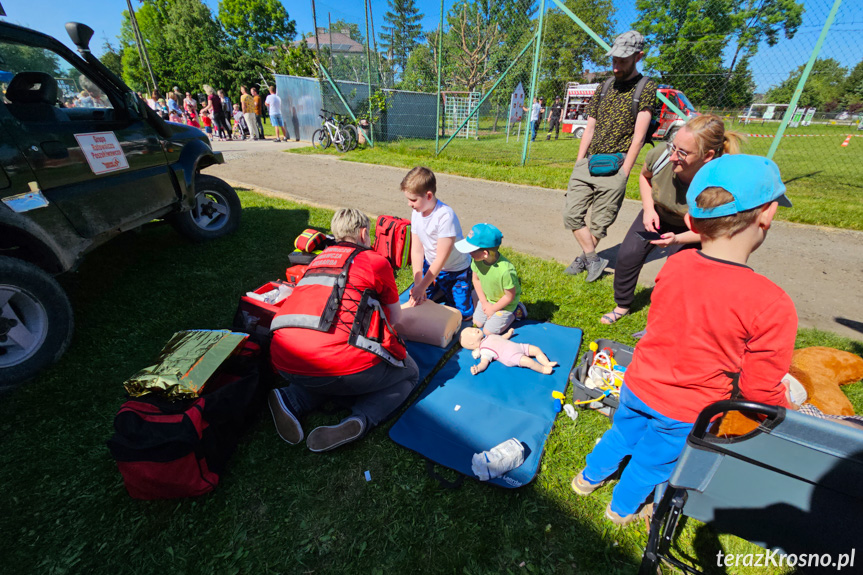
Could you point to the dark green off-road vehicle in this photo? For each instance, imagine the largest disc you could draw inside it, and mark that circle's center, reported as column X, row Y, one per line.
column 82, row 159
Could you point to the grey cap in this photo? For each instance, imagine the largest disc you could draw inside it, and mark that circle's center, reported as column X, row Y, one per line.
column 627, row 44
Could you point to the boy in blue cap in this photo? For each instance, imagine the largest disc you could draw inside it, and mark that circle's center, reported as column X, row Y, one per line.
column 495, row 280
column 714, row 325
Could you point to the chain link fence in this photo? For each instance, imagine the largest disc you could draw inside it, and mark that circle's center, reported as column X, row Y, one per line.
column 464, row 89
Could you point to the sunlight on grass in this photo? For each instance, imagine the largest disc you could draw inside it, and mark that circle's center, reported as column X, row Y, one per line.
column 283, row 509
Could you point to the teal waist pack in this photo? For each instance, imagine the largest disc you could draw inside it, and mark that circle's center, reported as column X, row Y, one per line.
column 605, row 164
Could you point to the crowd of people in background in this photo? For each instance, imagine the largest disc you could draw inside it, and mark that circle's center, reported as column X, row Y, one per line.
column 213, row 111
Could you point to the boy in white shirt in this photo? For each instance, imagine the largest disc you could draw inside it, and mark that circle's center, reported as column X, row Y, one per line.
column 434, row 231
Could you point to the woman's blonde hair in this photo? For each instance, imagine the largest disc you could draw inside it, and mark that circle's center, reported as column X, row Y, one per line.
column 347, row 223
column 710, row 134
column 208, row 89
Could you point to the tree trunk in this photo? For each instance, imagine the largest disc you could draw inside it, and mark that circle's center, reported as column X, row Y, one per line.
column 496, row 116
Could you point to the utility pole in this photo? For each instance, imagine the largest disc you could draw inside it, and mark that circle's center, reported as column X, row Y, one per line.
column 139, row 40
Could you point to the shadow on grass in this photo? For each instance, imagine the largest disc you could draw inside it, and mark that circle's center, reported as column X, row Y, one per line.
column 278, row 507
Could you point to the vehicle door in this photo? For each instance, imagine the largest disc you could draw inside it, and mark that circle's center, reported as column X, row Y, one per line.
column 93, row 156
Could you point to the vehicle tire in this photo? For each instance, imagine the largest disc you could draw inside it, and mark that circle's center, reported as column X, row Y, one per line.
column 342, row 140
column 353, row 136
column 36, row 321
column 216, row 212
column 579, row 132
column 321, row 139
column 669, row 137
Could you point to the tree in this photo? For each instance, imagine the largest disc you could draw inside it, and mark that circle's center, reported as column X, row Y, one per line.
column 823, row 89
column 255, row 25
column 567, row 48
column 293, row 60
column 688, row 38
column 112, row 59
column 854, row 88
column 401, row 35
column 474, row 43
column 420, row 73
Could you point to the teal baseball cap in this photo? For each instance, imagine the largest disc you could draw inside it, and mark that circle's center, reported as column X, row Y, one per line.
column 481, row 236
column 752, row 180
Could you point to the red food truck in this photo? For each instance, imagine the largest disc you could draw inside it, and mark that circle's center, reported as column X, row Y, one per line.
column 578, row 96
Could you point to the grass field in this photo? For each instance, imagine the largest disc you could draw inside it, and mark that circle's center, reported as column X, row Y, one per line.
column 282, row 509
column 824, row 180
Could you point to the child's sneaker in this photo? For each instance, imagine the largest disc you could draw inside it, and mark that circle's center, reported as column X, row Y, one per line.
column 645, row 512
column 520, row 312
column 582, row 486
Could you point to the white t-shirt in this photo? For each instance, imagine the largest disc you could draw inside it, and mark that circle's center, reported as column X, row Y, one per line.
column 441, row 223
column 534, row 111
column 274, row 105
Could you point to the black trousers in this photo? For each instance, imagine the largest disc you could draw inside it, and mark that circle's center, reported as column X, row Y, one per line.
column 633, row 253
column 553, row 126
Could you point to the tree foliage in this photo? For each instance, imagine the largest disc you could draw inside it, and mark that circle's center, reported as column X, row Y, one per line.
column 255, row 25
column 293, row 60
column 687, row 39
column 824, row 87
column 420, row 74
column 401, row 31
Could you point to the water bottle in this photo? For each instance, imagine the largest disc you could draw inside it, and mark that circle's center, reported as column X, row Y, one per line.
column 498, row 460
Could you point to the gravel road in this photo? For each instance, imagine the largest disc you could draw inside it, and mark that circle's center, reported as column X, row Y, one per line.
column 821, row 268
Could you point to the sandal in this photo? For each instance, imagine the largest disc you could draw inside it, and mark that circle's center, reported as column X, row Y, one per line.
column 612, row 317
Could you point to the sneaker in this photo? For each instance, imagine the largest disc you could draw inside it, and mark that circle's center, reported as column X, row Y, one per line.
column 287, row 424
column 520, row 312
column 645, row 512
column 577, row 266
column 332, row 436
column 595, row 269
column 582, row 486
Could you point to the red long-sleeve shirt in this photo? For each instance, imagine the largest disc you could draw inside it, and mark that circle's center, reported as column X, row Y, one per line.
column 710, row 319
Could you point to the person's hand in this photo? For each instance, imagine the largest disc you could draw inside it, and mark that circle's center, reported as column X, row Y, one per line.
column 487, row 309
column 417, row 296
column 651, row 221
column 668, row 239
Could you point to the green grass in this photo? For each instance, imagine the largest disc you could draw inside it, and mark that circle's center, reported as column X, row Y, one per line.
column 823, row 178
column 282, row 509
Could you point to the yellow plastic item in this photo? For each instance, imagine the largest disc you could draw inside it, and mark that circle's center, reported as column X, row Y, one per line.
column 558, row 395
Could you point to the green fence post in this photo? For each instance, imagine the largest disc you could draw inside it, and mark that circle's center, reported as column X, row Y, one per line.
column 439, row 63
column 605, row 46
column 369, row 72
column 487, row 94
column 344, row 102
column 537, row 46
column 802, row 82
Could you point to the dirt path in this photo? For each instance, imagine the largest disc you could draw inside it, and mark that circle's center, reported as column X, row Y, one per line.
column 821, row 268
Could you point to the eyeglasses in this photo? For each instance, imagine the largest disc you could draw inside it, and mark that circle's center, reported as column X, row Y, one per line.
column 680, row 153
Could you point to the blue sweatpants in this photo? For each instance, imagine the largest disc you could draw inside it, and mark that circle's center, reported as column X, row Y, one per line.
column 654, row 442
column 456, row 288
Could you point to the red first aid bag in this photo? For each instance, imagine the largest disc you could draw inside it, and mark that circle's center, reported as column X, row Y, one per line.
column 393, row 240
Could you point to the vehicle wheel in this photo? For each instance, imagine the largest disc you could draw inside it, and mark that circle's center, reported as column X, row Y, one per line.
column 36, row 321
column 579, row 132
column 669, row 137
column 353, row 136
column 342, row 140
column 216, row 212
column 321, row 139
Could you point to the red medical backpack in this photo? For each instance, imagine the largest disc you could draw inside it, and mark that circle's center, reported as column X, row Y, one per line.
column 393, row 240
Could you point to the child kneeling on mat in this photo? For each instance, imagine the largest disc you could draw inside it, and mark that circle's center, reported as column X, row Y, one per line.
column 495, row 280
column 713, row 324
column 435, row 229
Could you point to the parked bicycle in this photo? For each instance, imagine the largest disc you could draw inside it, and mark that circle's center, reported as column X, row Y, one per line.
column 337, row 132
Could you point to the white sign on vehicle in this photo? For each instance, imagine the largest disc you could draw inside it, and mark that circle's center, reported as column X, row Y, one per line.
column 103, row 152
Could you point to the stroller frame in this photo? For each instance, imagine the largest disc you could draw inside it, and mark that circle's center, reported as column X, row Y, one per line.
column 795, row 484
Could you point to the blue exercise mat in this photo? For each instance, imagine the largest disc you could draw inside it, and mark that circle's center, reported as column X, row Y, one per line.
column 459, row 414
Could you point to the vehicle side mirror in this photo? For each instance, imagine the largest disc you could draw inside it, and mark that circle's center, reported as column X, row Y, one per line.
column 80, row 34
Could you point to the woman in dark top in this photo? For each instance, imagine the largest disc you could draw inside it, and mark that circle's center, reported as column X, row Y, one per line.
column 214, row 107
column 663, row 182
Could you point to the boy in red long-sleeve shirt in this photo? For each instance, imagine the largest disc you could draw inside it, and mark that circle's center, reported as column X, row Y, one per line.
column 712, row 321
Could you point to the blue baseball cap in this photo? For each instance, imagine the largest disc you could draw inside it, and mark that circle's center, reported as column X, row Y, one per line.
column 481, row 236
column 752, row 180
